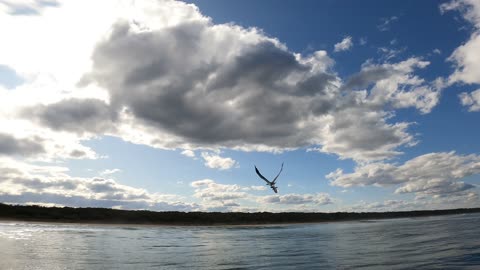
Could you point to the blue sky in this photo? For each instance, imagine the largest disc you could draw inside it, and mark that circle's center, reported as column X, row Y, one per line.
column 168, row 105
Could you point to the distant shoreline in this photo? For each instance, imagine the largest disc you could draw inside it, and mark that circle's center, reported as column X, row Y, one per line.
column 106, row 216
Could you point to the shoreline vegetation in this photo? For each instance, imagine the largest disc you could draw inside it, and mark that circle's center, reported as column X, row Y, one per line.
column 36, row 213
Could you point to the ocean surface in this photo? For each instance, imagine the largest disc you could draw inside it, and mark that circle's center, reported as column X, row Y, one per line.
column 442, row 242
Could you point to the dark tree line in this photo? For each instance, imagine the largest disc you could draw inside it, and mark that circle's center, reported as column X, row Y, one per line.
column 105, row 215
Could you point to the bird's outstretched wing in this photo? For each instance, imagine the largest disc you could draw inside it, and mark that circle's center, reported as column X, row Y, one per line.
column 261, row 176
column 275, row 179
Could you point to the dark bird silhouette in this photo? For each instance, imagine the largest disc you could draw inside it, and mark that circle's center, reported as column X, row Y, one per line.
column 270, row 183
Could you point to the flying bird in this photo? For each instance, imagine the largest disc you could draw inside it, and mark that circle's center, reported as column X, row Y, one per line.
column 270, row 183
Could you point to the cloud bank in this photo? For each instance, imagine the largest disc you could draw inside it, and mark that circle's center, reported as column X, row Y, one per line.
column 434, row 174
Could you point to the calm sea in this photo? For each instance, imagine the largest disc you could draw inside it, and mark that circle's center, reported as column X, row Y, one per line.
column 447, row 242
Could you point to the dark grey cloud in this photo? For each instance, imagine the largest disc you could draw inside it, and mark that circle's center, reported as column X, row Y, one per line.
column 9, row 145
column 265, row 64
column 368, row 76
column 38, row 184
column 75, row 115
column 78, row 153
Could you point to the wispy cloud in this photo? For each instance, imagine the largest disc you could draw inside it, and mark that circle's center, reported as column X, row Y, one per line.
column 363, row 41
column 386, row 23
column 26, row 7
column 344, row 45
column 110, row 171
column 390, row 53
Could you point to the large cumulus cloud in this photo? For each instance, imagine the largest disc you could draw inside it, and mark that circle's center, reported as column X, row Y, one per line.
column 211, row 84
column 195, row 84
column 174, row 79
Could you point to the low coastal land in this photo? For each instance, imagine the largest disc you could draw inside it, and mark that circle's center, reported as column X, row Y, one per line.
column 113, row 216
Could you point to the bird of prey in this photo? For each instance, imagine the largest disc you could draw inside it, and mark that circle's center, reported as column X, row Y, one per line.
column 270, row 183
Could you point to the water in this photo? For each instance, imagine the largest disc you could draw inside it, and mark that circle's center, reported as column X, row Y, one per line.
column 447, row 242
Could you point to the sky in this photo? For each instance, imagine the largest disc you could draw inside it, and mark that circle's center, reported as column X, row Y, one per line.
column 169, row 105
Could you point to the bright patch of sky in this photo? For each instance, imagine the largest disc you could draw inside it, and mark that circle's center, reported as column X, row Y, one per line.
column 168, row 105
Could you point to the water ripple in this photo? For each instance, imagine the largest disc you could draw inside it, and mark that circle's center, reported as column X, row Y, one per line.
column 448, row 242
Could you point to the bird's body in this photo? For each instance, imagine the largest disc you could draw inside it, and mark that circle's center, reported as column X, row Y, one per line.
column 270, row 183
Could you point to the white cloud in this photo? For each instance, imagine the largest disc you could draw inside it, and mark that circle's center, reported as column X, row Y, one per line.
column 420, row 202
column 218, row 197
column 228, row 197
column 26, row 183
column 471, row 100
column 467, row 59
column 467, row 56
column 363, row 135
column 217, row 162
column 297, row 199
column 396, row 84
column 470, row 9
column 258, row 188
column 361, row 132
column 110, row 171
column 188, row 153
column 388, row 205
column 434, row 174
column 344, row 45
